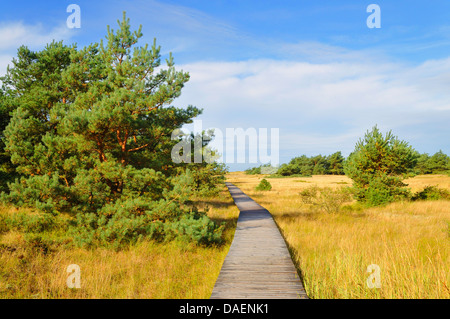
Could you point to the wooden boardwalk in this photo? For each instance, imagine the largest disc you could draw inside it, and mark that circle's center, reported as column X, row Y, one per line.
column 258, row 264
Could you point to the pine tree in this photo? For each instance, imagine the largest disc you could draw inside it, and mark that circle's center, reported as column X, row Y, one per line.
column 422, row 164
column 438, row 163
column 31, row 87
column 208, row 175
column 336, row 164
column 6, row 168
column 91, row 134
column 378, row 165
column 320, row 164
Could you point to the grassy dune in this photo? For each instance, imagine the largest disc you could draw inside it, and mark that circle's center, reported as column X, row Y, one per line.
column 146, row 270
column 409, row 241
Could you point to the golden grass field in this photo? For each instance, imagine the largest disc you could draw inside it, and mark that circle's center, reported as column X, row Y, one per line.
column 146, row 270
column 409, row 241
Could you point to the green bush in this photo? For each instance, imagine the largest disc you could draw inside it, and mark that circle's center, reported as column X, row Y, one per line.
column 121, row 228
column 208, row 179
column 264, row 185
column 253, row 171
column 31, row 223
column 130, row 219
column 195, row 227
column 37, row 243
column 263, row 169
column 326, row 199
column 431, row 193
column 314, row 165
column 381, row 191
column 377, row 167
column 163, row 222
column 3, row 225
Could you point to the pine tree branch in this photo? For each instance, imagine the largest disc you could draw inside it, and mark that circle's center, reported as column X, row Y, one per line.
column 138, row 148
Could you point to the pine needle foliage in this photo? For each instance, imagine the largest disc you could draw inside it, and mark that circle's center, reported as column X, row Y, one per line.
column 264, row 185
column 90, row 134
column 378, row 166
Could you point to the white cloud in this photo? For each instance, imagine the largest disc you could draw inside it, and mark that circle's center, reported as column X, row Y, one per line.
column 321, row 52
column 5, row 59
column 180, row 27
column 288, row 85
column 15, row 34
column 323, row 106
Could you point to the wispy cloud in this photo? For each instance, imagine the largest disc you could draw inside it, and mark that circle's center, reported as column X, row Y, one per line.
column 181, row 27
column 5, row 59
column 15, row 34
column 320, row 52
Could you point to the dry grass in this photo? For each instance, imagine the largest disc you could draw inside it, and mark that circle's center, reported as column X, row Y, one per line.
column 409, row 240
column 418, row 183
column 146, row 270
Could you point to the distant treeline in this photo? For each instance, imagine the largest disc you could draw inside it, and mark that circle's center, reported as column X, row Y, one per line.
column 439, row 163
column 333, row 164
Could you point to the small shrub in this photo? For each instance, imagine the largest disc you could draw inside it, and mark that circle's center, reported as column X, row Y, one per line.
column 127, row 222
column 263, row 169
column 253, row 171
column 326, row 199
column 264, row 185
column 309, row 194
column 380, row 192
column 431, row 193
column 195, row 227
column 31, row 223
column 3, row 225
column 37, row 243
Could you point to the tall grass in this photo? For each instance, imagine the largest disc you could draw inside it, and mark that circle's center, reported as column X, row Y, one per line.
column 409, row 241
column 145, row 270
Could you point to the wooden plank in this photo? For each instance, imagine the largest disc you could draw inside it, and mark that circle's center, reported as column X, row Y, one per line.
column 258, row 264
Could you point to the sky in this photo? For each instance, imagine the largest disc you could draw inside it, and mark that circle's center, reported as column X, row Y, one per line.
column 314, row 70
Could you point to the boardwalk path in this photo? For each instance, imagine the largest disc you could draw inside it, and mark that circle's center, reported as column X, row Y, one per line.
column 258, row 264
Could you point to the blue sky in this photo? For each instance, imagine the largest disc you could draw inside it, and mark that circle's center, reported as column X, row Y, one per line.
column 313, row 69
